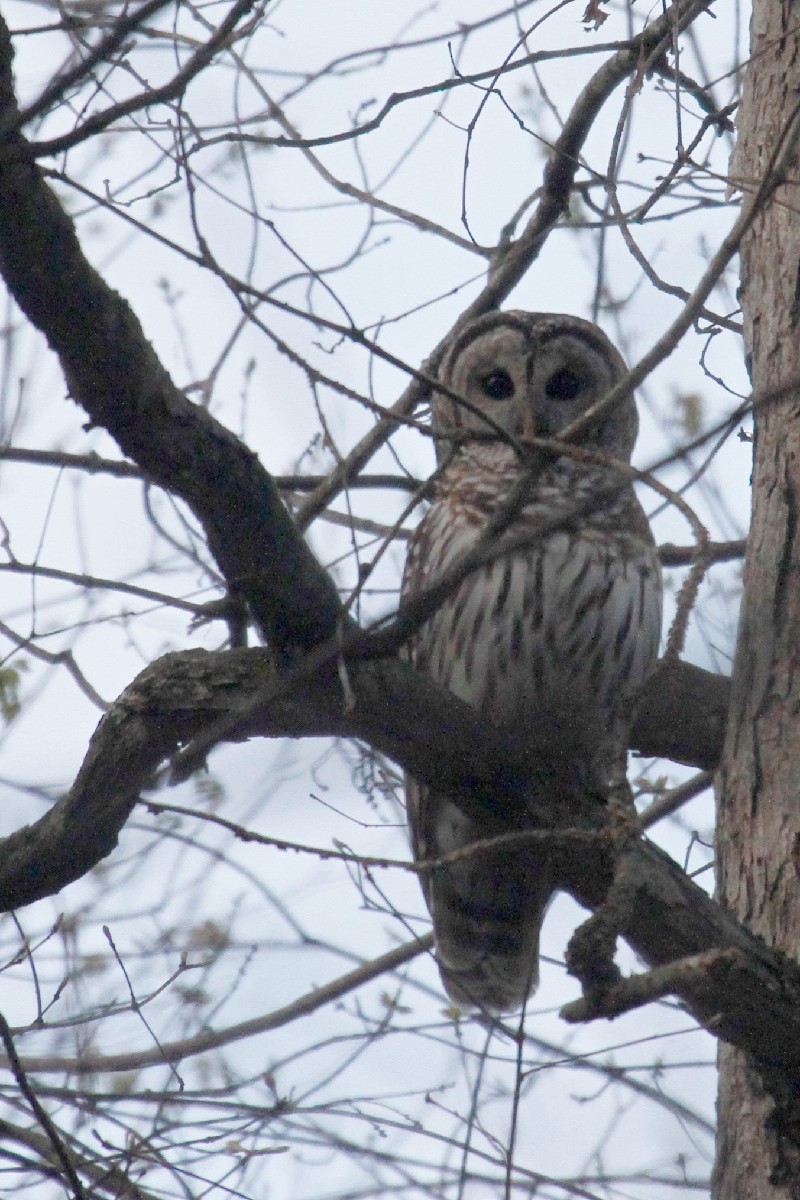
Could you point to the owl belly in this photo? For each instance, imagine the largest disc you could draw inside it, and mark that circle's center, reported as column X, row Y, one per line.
column 549, row 641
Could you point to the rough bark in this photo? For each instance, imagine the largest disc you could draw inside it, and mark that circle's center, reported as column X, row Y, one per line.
column 202, row 699
column 759, row 781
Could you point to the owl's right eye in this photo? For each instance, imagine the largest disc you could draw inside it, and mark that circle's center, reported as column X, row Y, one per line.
column 498, row 385
column 564, row 384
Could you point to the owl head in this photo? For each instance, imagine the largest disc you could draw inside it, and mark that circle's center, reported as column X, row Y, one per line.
column 531, row 375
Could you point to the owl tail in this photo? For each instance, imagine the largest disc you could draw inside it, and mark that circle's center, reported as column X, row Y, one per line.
column 487, row 915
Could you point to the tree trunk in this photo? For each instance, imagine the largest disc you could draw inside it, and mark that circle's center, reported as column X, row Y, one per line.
column 759, row 780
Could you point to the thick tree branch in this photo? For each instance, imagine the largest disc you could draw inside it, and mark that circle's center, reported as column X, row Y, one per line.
column 446, row 744
column 114, row 374
column 682, row 714
column 185, row 695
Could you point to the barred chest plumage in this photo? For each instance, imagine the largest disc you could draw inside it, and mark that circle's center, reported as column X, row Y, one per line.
column 557, row 630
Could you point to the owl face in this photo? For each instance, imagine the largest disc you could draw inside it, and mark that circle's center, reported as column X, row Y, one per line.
column 531, row 375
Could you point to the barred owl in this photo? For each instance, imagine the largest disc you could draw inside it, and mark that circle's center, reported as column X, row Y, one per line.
column 548, row 638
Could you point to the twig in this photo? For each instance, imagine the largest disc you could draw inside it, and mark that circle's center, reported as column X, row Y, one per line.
column 715, row 552
column 551, row 838
column 674, row 799
column 697, row 974
column 53, row 1136
column 159, row 95
column 210, row 1039
column 55, row 90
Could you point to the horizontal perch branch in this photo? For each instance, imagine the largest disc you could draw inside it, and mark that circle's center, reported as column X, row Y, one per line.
column 443, row 742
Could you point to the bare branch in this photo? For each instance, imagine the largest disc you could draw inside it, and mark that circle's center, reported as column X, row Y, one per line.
column 699, row 974
column 114, row 373
column 102, row 52
column 513, row 261
column 54, row 1138
column 174, row 1052
column 169, row 91
column 443, row 742
column 669, row 802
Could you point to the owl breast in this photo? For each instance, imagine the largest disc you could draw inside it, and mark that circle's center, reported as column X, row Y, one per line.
column 556, row 632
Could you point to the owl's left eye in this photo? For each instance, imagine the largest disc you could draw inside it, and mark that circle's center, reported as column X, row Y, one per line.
column 498, row 385
column 564, row 384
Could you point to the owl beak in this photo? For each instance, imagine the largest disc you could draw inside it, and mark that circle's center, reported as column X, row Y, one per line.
column 529, row 429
